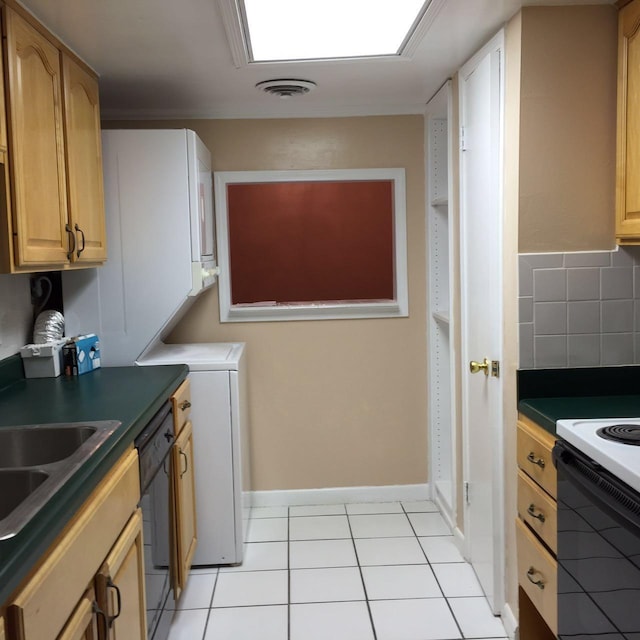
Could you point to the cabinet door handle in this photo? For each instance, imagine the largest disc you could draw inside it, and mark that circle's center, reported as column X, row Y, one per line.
column 72, row 241
column 186, row 462
column 81, row 232
column 537, row 461
column 532, row 512
column 111, row 585
column 185, row 405
column 530, row 574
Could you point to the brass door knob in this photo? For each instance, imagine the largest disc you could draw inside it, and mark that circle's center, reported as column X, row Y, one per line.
column 476, row 367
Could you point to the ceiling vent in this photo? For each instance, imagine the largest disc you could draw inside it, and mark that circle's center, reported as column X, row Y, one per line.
column 286, row 88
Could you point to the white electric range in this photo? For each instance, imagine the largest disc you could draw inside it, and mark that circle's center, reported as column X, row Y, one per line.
column 593, row 439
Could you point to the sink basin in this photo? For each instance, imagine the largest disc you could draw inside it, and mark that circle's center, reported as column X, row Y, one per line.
column 16, row 485
column 37, row 460
column 34, row 446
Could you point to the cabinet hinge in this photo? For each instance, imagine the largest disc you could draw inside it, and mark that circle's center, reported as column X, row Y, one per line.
column 463, row 146
column 466, row 493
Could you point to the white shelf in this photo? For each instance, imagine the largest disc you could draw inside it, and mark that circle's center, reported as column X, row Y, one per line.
column 441, row 316
column 442, row 201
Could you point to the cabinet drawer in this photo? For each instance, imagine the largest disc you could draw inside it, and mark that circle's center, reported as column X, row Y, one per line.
column 534, row 455
column 41, row 608
column 181, row 401
column 536, row 565
column 538, row 510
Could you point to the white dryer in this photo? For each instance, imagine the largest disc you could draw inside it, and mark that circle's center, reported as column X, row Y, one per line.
column 221, row 437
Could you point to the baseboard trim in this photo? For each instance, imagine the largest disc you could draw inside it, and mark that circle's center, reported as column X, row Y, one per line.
column 458, row 538
column 510, row 622
column 336, row 495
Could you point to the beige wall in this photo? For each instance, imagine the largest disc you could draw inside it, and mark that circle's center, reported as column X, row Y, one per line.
column 333, row 403
column 567, row 134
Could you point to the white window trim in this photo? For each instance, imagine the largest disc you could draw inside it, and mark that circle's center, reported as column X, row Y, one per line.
column 313, row 311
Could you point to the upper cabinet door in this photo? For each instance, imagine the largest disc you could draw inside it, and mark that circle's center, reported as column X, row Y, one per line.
column 36, row 145
column 628, row 143
column 84, row 162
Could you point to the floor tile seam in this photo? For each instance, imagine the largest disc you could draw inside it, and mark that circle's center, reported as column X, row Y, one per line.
column 288, row 573
column 424, row 553
column 206, row 624
column 435, row 577
column 364, row 586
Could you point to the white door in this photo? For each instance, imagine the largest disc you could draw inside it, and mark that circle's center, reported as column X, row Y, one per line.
column 481, row 314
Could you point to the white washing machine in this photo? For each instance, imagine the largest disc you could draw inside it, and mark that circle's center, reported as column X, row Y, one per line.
column 220, row 433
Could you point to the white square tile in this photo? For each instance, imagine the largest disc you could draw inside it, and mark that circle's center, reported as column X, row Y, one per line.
column 475, row 618
column 457, row 580
column 307, row 554
column 268, row 530
column 374, row 507
column 333, row 620
column 406, row 581
column 380, row 526
column 269, row 512
column 197, row 593
column 262, row 556
column 429, row 524
column 188, row 625
column 378, row 551
column 317, row 510
column 326, row 585
column 420, row 506
column 248, row 623
column 319, row 528
column 441, row 549
column 247, row 588
column 413, row 620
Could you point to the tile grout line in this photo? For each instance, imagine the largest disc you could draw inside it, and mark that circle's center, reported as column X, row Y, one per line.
column 210, row 609
column 433, row 572
column 364, row 586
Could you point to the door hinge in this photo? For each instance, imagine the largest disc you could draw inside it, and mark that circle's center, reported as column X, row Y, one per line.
column 463, row 146
column 466, row 493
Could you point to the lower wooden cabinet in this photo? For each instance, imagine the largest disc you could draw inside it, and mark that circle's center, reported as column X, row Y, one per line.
column 83, row 623
column 184, row 507
column 54, row 599
column 120, row 585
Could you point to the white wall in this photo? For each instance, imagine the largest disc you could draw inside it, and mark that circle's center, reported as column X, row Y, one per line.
column 15, row 313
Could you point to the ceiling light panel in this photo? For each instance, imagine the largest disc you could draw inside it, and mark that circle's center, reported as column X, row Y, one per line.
column 320, row 29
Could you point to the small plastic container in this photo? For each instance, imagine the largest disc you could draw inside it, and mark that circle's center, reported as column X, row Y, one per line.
column 43, row 360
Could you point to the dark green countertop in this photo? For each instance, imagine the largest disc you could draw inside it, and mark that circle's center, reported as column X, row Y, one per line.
column 547, row 395
column 131, row 395
column 545, row 411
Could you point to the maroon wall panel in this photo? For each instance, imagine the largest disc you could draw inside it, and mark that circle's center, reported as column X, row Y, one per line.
column 311, row 241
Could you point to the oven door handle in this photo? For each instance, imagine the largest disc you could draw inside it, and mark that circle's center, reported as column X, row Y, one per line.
column 612, row 496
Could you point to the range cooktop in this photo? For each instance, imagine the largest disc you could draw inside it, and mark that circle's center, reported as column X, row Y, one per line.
column 611, row 442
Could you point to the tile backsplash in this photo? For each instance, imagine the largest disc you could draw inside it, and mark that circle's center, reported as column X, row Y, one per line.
column 579, row 309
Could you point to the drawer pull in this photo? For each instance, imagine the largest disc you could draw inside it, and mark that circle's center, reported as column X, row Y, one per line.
column 184, row 405
column 530, row 574
column 537, row 461
column 532, row 512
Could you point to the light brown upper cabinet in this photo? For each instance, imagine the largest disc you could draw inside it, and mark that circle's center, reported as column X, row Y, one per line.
column 54, row 212
column 84, row 161
column 628, row 142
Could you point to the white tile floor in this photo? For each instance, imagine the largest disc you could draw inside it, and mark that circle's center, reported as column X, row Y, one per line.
column 384, row 571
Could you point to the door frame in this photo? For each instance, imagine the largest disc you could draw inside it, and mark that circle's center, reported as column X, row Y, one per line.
column 496, row 47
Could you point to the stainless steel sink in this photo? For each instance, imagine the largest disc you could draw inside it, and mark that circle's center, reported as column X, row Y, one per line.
column 32, row 446
column 37, row 460
column 16, row 485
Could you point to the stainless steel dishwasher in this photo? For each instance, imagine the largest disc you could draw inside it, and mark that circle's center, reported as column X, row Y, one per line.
column 154, row 446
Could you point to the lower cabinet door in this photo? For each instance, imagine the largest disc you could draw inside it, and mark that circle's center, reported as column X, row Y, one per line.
column 83, row 623
column 184, row 506
column 120, row 584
